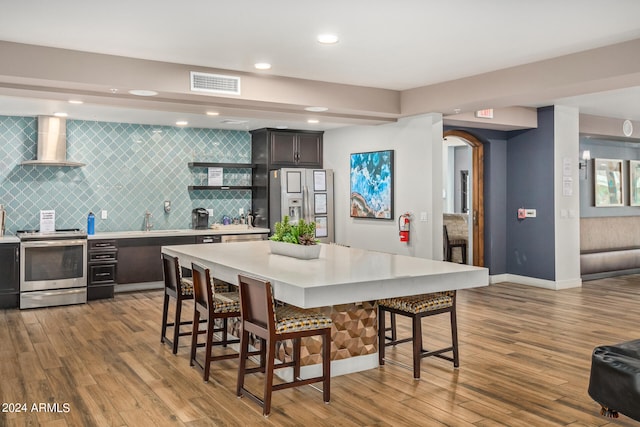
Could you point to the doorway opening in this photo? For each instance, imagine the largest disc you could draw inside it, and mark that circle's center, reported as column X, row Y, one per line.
column 471, row 192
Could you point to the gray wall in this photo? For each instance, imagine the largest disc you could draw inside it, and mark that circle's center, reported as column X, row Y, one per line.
column 495, row 201
column 530, row 184
column 518, row 172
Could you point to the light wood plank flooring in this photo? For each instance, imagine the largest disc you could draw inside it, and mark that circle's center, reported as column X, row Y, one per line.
column 525, row 359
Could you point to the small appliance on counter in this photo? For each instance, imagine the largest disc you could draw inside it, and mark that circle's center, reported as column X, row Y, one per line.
column 199, row 219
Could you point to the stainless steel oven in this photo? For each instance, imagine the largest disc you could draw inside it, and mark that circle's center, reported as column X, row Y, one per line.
column 53, row 268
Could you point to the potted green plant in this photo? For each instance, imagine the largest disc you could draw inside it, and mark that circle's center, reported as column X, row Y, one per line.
column 295, row 239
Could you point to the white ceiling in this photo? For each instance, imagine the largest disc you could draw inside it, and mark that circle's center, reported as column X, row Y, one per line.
column 380, row 41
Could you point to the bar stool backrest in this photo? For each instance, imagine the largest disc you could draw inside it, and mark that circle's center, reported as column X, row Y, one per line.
column 171, row 268
column 202, row 292
column 256, row 306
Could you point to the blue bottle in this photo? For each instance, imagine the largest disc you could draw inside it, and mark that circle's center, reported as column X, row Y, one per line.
column 91, row 224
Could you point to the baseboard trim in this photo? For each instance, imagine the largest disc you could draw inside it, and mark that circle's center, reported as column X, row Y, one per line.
column 538, row 283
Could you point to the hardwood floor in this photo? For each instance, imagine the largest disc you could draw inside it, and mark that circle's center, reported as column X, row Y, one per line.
column 525, row 360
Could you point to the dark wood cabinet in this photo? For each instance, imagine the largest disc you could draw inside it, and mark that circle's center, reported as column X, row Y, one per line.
column 102, row 263
column 274, row 149
column 296, row 149
column 139, row 259
column 10, row 277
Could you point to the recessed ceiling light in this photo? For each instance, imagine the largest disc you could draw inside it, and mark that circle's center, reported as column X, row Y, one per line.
column 212, row 113
column 316, row 109
column 313, row 121
column 327, row 38
column 75, row 101
column 262, row 66
column 60, row 114
column 182, row 123
column 143, row 92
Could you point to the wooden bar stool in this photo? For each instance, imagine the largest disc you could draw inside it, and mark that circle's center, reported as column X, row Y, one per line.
column 451, row 243
column 180, row 290
column 271, row 324
column 417, row 307
column 208, row 307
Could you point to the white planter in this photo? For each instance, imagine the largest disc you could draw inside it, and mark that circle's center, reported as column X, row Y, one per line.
column 295, row 251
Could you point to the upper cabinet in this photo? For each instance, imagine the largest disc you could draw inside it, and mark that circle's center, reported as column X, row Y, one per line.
column 296, row 149
column 274, row 149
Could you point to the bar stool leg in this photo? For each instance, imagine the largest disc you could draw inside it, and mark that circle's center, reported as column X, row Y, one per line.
column 244, row 349
column 176, row 326
column 417, row 345
column 224, row 331
column 165, row 313
column 394, row 335
column 381, row 334
column 207, row 351
column 326, row 366
column 268, row 381
column 194, row 336
column 296, row 358
column 454, row 338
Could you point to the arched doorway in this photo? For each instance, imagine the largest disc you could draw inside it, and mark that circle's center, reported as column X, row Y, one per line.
column 477, row 185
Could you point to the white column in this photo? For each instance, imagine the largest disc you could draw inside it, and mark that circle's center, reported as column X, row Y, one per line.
column 567, row 197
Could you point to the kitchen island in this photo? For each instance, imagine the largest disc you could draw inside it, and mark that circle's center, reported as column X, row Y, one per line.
column 343, row 282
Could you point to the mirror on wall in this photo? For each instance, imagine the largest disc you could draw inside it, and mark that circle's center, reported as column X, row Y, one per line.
column 457, row 198
column 456, row 178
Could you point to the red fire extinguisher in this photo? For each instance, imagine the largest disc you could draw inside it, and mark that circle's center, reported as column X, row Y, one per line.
column 404, row 222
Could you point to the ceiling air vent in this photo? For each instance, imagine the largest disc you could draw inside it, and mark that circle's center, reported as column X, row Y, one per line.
column 215, row 83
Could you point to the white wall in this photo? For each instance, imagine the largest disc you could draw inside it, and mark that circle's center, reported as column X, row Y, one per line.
column 567, row 212
column 417, row 142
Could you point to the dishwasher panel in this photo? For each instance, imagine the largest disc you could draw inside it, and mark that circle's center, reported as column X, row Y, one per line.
column 228, row 238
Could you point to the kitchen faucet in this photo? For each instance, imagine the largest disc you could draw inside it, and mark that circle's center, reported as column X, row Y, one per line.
column 147, row 221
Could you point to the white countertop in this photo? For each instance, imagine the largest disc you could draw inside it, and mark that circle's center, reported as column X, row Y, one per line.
column 223, row 229
column 341, row 274
column 9, row 239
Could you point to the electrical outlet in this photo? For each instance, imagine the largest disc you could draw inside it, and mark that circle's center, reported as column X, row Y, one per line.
column 210, row 212
column 103, row 214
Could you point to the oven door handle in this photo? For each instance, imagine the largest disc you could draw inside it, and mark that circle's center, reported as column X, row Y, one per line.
column 52, row 243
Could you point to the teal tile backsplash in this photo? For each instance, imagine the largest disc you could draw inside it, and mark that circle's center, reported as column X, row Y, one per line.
column 130, row 168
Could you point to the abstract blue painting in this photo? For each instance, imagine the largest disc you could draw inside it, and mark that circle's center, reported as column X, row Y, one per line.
column 371, row 176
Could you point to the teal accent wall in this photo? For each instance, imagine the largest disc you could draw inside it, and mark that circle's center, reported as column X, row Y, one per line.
column 130, row 168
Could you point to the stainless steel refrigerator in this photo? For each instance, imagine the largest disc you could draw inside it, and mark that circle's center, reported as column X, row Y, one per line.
column 303, row 193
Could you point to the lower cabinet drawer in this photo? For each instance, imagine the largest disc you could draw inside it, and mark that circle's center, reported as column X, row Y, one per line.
column 208, row 239
column 102, row 273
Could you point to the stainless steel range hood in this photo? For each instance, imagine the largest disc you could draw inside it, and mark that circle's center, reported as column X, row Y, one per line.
column 52, row 143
